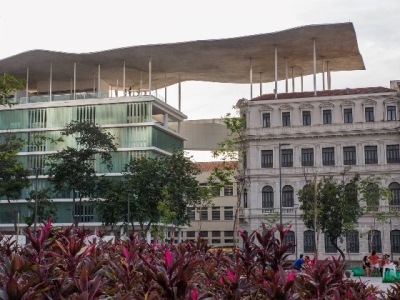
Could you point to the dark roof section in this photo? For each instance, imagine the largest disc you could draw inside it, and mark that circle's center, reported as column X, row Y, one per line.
column 342, row 92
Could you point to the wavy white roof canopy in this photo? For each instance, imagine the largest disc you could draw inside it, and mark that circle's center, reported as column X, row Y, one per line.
column 223, row 60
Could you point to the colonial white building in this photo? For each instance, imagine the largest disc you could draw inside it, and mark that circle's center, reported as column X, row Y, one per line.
column 335, row 132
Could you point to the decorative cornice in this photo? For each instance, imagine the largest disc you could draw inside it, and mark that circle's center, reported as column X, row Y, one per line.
column 326, row 104
column 306, row 106
column 347, row 103
column 285, row 107
column 368, row 102
column 266, row 108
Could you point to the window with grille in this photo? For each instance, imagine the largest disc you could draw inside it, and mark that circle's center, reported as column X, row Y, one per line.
column 138, row 112
column 204, row 234
column 395, row 190
column 190, row 234
column 371, row 155
column 395, row 241
column 228, row 190
column 328, row 156
column 287, row 158
column 349, row 155
column 216, row 233
column 86, row 114
column 391, row 113
column 245, row 199
column 353, row 242
column 348, row 115
column 287, row 196
column 228, row 212
column 309, row 241
column 266, row 120
column 329, row 248
column 36, row 142
column 216, row 191
column 307, row 157
column 369, row 114
column 204, row 214
column 7, row 217
column 306, row 117
column 84, row 212
column 374, row 236
column 191, row 213
column 267, row 159
column 228, row 233
column 392, row 154
column 327, row 116
column 36, row 162
column 216, row 213
column 289, row 238
column 37, row 118
column 267, row 199
column 286, row 119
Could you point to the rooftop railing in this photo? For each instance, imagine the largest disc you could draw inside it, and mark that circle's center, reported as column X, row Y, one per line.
column 62, row 97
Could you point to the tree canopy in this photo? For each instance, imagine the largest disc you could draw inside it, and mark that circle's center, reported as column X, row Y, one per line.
column 337, row 205
column 8, row 85
column 72, row 169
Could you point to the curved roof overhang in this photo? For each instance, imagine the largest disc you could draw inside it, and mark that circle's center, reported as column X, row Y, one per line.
column 222, row 60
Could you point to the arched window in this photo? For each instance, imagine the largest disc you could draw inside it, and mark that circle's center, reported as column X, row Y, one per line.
column 353, row 242
column 395, row 241
column 395, row 189
column 374, row 240
column 289, row 238
column 329, row 248
column 287, row 196
column 267, row 199
column 309, row 244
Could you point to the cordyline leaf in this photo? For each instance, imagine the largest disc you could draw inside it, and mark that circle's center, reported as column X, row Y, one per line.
column 83, row 281
column 12, row 289
column 95, row 287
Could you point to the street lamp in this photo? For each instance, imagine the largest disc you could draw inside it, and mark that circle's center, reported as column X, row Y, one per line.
column 295, row 206
column 280, row 181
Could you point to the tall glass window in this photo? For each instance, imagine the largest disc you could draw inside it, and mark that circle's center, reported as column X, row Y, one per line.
column 286, row 119
column 328, row 156
column 267, row 159
column 391, row 113
column 266, row 120
column 86, row 114
column 289, row 238
column 348, row 115
column 307, row 157
column 329, row 248
column 306, row 118
column 287, row 157
column 37, row 118
column 327, row 116
column 309, row 241
column 392, row 154
column 267, row 199
column 287, row 196
column 349, row 155
column 371, row 155
column 369, row 114
column 353, row 242
column 395, row 190
column 376, row 241
column 395, row 241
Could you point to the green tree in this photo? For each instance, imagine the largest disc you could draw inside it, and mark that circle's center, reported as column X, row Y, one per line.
column 73, row 169
column 8, row 85
column 371, row 192
column 338, row 207
column 233, row 153
column 46, row 208
column 13, row 175
column 169, row 179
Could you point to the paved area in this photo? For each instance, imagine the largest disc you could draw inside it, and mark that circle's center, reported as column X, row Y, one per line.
column 376, row 281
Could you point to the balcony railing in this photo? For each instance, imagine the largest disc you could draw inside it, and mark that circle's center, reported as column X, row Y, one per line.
column 62, row 97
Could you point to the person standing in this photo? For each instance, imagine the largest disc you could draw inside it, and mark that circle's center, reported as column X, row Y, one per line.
column 374, row 257
column 298, row 263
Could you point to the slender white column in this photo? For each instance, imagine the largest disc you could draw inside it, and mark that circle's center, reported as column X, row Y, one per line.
column 150, row 76
column 323, row 74
column 141, row 82
column 123, row 80
column 74, row 87
column 98, row 81
column 251, row 79
column 94, row 82
column 286, row 76
column 165, row 91
column 27, row 85
column 292, row 79
column 315, row 68
column 301, row 82
column 51, row 81
column 179, row 94
column 260, row 85
column 276, row 72
column 328, row 75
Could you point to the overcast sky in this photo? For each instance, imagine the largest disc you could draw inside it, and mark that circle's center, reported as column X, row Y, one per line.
column 94, row 25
